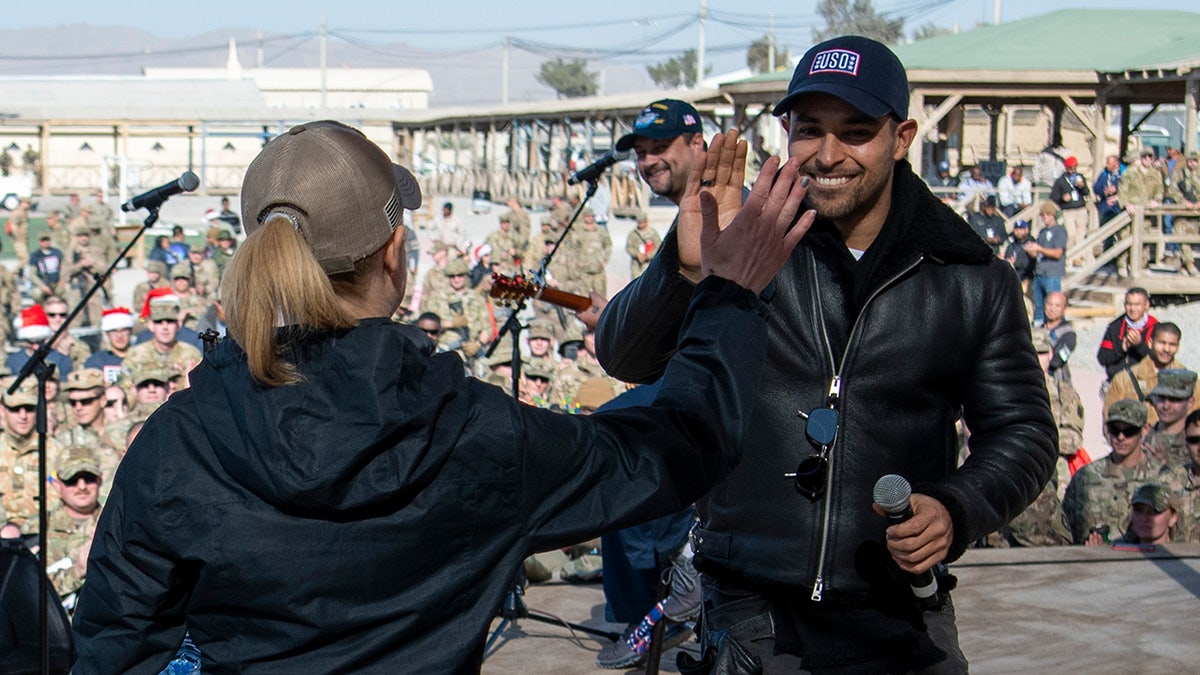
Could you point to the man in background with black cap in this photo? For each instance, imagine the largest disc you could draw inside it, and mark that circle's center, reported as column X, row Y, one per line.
column 893, row 319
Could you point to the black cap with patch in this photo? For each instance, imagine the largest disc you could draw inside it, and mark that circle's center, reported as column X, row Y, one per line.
column 667, row 118
column 858, row 70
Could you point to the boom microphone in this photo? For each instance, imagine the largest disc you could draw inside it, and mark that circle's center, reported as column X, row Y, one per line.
column 893, row 494
column 593, row 171
column 154, row 198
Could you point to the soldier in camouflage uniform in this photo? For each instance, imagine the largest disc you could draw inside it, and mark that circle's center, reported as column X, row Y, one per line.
column 10, row 301
column 573, row 374
column 535, row 382
column 520, row 220
column 1141, row 185
column 1041, row 524
column 1097, row 500
column 156, row 277
column 192, row 305
column 206, row 278
column 1172, row 399
column 560, row 214
column 1154, row 516
column 67, row 345
column 101, row 217
column 163, row 351
column 1185, row 190
column 466, row 325
column 18, row 453
column 642, row 245
column 226, row 245
column 17, row 228
column 1189, row 491
column 72, row 520
column 541, row 341
column 79, row 270
column 591, row 247
column 85, row 394
column 434, row 285
column 60, row 234
column 508, row 249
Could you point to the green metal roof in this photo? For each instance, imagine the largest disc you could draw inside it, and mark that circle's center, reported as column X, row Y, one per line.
column 1101, row 40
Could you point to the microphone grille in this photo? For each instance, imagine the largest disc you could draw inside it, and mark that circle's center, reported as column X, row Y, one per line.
column 189, row 181
column 892, row 492
column 621, row 155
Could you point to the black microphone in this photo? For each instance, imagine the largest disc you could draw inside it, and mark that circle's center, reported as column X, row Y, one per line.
column 893, row 494
column 593, row 171
column 155, row 198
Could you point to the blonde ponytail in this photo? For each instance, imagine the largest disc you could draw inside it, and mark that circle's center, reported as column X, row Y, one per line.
column 273, row 280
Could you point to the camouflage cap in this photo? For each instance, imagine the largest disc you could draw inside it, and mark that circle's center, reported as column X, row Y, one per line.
column 157, row 266
column 181, row 270
column 1127, row 410
column 594, row 392
column 26, row 394
column 225, row 234
column 541, row 329
column 1157, row 497
column 84, row 379
column 539, row 368
column 456, row 267
column 1041, row 340
column 1174, row 383
column 77, row 459
column 151, row 374
column 506, row 217
column 501, row 357
column 587, row 211
column 81, row 229
column 163, row 308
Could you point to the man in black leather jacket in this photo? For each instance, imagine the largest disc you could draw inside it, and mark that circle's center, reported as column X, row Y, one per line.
column 894, row 315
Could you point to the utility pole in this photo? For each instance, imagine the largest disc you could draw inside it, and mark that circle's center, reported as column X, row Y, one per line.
column 996, row 12
column 323, row 63
column 504, row 71
column 771, row 43
column 700, row 43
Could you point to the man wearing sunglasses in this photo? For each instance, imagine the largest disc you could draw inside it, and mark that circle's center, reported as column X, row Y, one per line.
column 85, row 396
column 1096, row 504
column 18, row 454
column 72, row 520
column 890, row 322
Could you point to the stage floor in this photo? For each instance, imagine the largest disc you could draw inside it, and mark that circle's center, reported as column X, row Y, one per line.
column 1052, row 610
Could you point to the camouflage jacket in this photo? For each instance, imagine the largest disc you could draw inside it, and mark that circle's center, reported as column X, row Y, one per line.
column 1099, row 494
column 66, row 536
column 181, row 358
column 1140, row 186
column 19, row 477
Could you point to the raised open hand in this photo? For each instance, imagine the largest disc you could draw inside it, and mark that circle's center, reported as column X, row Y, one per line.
column 721, row 172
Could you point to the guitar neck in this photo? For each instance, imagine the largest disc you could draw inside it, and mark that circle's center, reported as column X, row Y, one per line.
column 573, row 302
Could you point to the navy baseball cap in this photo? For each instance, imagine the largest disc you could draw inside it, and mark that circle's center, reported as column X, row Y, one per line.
column 858, row 70
column 667, row 118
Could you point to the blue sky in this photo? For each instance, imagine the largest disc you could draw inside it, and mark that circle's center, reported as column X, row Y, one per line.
column 618, row 25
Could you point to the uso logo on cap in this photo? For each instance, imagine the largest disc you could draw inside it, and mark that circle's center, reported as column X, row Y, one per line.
column 835, row 61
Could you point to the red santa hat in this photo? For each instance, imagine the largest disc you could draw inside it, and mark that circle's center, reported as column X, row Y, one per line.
column 164, row 294
column 116, row 319
column 479, row 251
column 34, row 325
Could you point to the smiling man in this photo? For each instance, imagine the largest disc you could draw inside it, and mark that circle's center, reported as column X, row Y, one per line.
column 893, row 319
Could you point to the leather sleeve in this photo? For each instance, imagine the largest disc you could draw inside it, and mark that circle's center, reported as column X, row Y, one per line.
column 1014, row 441
column 640, row 326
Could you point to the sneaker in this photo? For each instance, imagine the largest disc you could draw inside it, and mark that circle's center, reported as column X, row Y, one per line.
column 619, row 654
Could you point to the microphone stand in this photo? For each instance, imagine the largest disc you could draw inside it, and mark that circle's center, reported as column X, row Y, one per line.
column 37, row 365
column 514, row 606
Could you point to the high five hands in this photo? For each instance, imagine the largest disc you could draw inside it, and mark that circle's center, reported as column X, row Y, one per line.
column 745, row 243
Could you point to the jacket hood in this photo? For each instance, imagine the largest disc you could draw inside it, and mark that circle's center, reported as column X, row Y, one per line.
column 364, row 431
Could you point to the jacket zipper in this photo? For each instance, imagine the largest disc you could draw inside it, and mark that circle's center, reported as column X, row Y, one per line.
column 835, row 393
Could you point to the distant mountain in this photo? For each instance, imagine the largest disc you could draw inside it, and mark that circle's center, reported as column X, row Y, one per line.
column 459, row 78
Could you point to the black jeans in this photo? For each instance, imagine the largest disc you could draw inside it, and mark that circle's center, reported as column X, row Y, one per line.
column 790, row 637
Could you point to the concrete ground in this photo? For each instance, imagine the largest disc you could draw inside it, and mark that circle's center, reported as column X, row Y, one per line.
column 1051, row 610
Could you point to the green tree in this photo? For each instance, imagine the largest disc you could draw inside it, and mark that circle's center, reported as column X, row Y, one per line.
column 570, row 79
column 929, row 30
column 678, row 71
column 843, row 17
column 757, row 56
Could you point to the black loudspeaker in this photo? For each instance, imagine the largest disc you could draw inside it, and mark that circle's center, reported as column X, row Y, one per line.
column 20, row 637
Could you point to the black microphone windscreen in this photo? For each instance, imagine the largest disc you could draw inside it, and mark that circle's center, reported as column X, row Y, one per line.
column 892, row 492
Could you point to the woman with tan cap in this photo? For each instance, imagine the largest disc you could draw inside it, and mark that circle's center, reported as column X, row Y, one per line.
column 328, row 497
